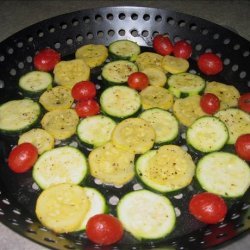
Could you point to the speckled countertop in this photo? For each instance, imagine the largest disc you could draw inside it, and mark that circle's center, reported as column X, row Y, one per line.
column 16, row 15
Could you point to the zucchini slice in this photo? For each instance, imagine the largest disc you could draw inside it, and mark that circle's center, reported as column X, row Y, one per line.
column 120, row 101
column 156, row 97
column 164, row 123
column 148, row 59
column 135, row 135
column 97, row 205
column 188, row 109
column 35, row 82
column 224, row 174
column 95, row 130
column 237, row 122
column 227, row 94
column 146, row 215
column 18, row 116
column 207, row 134
column 56, row 98
column 40, row 138
column 61, row 124
column 68, row 73
column 60, row 165
column 174, row 65
column 124, row 49
column 62, row 207
column 111, row 164
column 94, row 55
column 167, row 169
column 156, row 76
column 186, row 84
column 117, row 72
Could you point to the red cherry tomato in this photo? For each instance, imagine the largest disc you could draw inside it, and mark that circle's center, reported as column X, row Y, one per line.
column 242, row 146
column 104, row 229
column 244, row 102
column 138, row 81
column 22, row 157
column 182, row 49
column 86, row 108
column 210, row 64
column 210, row 103
column 46, row 59
column 162, row 45
column 208, row 208
column 83, row 90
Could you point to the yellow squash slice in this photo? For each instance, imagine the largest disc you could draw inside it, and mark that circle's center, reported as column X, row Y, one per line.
column 188, row 109
column 111, row 164
column 68, row 73
column 148, row 59
column 61, row 124
column 156, row 97
column 40, row 138
column 156, row 76
column 135, row 135
column 56, row 98
column 62, row 207
column 174, row 65
column 227, row 94
column 94, row 55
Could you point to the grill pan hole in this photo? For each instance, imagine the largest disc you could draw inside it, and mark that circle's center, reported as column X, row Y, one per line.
column 20, row 65
column 145, row 33
column 221, row 235
column 29, row 59
column 63, row 26
column 19, row 45
column 51, row 29
column 181, row 23
column 1, row 84
column 98, row 18
column 246, row 53
column 121, row 32
column 235, row 67
column 90, row 35
column 208, row 50
column 79, row 38
column 100, row 34
column 110, row 16
column 13, row 72
column 122, row 16
column 111, row 33
column 49, row 240
column 227, row 61
column 203, row 31
column 30, row 39
column 29, row 220
column 10, row 51
column 40, row 33
column 57, row 45
column 1, row 212
column 75, row 22
column 69, row 247
column 194, row 27
column 226, row 41
column 31, row 231
column 243, row 74
column 236, row 47
column 216, row 36
column 134, row 16
column 86, row 19
column 69, row 41
column 146, row 17
column 2, row 58
column 177, row 39
column 170, row 21
column 158, row 18
column 16, row 211
column 134, row 33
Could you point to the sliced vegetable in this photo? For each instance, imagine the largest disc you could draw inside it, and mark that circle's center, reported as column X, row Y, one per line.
column 164, row 123
column 22, row 157
column 146, row 215
column 104, row 229
column 210, row 103
column 62, row 207
column 148, row 59
column 207, row 134
column 93, row 54
column 56, row 98
column 188, row 109
column 117, row 72
column 60, row 165
column 40, row 138
column 18, row 116
column 61, row 124
column 242, row 146
column 237, row 122
column 227, row 94
column 124, row 49
column 156, row 97
column 223, row 174
column 134, row 134
column 185, row 84
column 85, row 108
column 35, row 82
column 46, row 59
column 111, row 164
column 95, row 130
column 156, row 76
column 208, row 208
column 210, row 64
column 84, row 90
column 174, row 65
column 138, row 81
column 120, row 101
column 68, row 73
column 167, row 169
column 162, row 44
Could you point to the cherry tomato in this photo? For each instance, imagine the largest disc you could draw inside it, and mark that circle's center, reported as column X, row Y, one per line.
column 208, row 208
column 138, row 81
column 104, row 229
column 244, row 102
column 22, row 157
column 83, row 90
column 86, row 108
column 182, row 49
column 210, row 64
column 210, row 103
column 242, row 146
column 162, row 45
column 46, row 59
